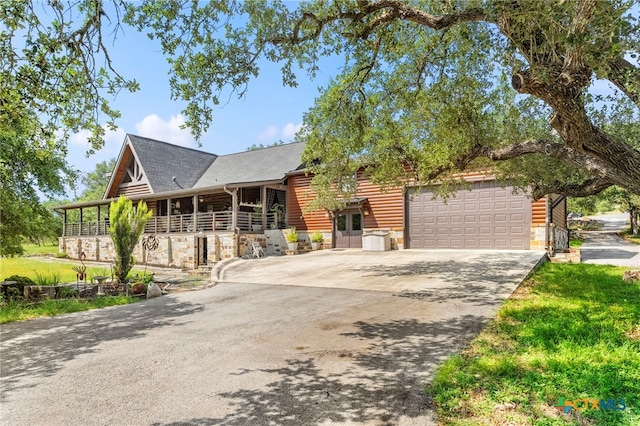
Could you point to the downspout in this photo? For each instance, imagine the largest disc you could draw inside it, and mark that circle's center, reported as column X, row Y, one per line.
column 234, row 219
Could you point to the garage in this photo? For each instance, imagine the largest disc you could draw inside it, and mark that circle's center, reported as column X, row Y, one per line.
column 487, row 216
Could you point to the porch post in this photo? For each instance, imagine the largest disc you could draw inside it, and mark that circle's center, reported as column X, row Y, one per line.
column 80, row 225
column 98, row 221
column 263, row 201
column 168, row 215
column 64, row 223
column 195, row 213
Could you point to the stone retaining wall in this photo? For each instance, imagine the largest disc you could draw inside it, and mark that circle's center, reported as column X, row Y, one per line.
column 176, row 250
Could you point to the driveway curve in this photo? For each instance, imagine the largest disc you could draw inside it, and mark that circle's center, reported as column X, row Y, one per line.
column 605, row 247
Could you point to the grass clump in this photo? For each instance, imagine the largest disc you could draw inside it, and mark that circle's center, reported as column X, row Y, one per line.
column 572, row 331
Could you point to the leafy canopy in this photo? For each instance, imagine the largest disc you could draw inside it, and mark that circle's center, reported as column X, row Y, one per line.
column 428, row 88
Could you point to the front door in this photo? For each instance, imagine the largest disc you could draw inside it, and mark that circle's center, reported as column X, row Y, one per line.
column 348, row 225
column 202, row 251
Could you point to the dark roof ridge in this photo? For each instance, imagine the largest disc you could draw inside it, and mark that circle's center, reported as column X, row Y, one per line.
column 261, row 149
column 173, row 144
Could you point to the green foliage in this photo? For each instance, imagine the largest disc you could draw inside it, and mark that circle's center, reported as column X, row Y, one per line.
column 292, row 235
column 316, row 237
column 416, row 101
column 570, row 332
column 137, row 277
column 49, row 279
column 125, row 227
column 256, row 147
column 21, row 281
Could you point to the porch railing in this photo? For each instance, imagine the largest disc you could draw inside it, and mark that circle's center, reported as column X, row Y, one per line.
column 206, row 222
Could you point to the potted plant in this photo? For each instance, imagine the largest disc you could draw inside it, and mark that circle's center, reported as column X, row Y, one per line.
column 316, row 240
column 278, row 213
column 256, row 219
column 292, row 239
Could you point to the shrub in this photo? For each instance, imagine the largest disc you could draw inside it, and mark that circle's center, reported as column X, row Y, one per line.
column 316, row 237
column 292, row 236
column 126, row 226
column 48, row 279
column 61, row 255
column 20, row 280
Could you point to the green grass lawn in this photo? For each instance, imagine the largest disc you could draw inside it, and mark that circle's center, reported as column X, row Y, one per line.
column 575, row 243
column 570, row 332
column 33, row 249
column 627, row 236
column 32, row 267
column 22, row 310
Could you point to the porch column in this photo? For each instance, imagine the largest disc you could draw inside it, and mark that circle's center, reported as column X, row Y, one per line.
column 80, row 224
column 195, row 213
column 64, row 223
column 168, row 215
column 98, row 221
column 263, row 200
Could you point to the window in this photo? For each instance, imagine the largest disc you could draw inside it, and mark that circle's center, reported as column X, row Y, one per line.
column 342, row 222
column 356, row 222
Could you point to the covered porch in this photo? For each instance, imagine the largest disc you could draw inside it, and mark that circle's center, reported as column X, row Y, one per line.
column 247, row 209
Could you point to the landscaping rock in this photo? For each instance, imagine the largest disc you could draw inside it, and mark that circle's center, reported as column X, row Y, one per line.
column 631, row 275
column 153, row 291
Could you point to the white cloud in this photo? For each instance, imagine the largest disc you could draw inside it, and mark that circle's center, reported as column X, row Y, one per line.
column 154, row 127
column 290, row 130
column 269, row 134
column 273, row 133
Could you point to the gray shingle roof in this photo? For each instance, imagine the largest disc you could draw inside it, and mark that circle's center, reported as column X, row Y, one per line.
column 162, row 161
column 267, row 164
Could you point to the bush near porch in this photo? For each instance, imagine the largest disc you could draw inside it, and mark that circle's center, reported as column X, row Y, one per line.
column 570, row 332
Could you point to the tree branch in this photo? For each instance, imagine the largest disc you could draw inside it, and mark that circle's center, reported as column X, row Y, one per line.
column 389, row 10
column 572, row 60
column 626, row 77
column 589, row 187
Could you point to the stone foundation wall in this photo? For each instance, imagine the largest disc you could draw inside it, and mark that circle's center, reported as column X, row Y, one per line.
column 246, row 241
column 538, row 237
column 180, row 250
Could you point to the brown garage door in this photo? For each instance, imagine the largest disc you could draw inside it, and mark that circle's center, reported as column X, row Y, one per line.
column 488, row 216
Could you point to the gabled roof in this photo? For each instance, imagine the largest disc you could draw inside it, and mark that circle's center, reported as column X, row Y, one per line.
column 262, row 165
column 161, row 161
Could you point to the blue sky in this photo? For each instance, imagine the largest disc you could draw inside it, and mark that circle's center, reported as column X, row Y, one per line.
column 268, row 112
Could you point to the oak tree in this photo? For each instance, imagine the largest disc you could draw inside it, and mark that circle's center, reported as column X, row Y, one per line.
column 428, row 88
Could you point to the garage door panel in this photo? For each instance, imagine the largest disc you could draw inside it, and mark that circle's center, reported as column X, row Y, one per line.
column 494, row 217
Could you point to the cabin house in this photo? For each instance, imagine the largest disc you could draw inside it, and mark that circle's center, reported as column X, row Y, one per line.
column 208, row 207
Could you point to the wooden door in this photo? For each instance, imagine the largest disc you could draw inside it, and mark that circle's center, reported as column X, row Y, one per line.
column 348, row 228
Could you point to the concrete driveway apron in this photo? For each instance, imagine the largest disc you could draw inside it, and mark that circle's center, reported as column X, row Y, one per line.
column 262, row 354
column 455, row 272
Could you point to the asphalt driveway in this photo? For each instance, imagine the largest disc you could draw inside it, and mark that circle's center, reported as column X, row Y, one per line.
column 242, row 353
column 605, row 247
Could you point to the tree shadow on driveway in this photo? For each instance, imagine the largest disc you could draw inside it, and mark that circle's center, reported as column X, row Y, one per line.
column 40, row 347
column 477, row 281
column 380, row 384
